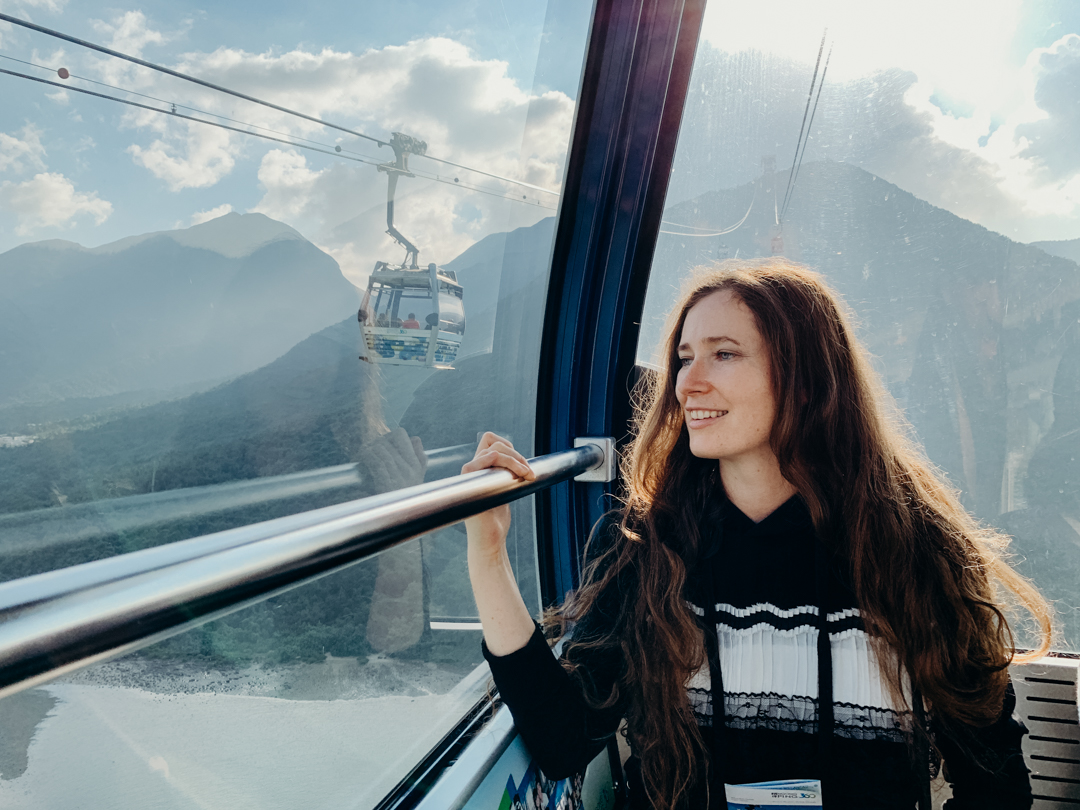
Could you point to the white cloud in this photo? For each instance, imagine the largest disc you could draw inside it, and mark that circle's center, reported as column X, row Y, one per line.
column 288, row 182
column 129, row 33
column 1052, row 139
column 20, row 153
column 198, row 157
column 61, row 97
column 340, row 207
column 1029, row 148
column 343, row 209
column 199, row 217
column 24, row 9
column 435, row 89
column 978, row 129
column 49, row 200
column 957, row 45
column 467, row 109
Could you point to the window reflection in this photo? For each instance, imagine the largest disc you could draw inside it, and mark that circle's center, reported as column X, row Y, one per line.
column 307, row 699
column 910, row 190
column 181, row 333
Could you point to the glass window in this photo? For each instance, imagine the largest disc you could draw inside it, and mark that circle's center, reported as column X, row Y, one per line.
column 245, row 712
column 922, row 157
column 451, row 312
column 215, row 312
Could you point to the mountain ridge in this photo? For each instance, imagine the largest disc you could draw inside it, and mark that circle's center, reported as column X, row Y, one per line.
column 157, row 311
column 313, row 405
column 232, row 235
column 967, row 328
column 1065, row 248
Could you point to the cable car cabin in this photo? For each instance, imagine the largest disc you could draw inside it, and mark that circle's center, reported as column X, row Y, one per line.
column 412, row 317
column 232, row 568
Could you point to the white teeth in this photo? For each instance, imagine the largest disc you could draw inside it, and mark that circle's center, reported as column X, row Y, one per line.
column 697, row 414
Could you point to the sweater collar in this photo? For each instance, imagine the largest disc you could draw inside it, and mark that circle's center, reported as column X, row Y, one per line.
column 722, row 519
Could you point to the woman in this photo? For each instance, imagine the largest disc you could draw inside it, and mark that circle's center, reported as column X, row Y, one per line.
column 773, row 503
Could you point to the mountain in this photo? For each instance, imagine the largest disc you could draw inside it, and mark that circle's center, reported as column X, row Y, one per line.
column 506, row 276
column 1065, row 248
column 497, row 267
column 314, row 406
column 233, row 235
column 969, row 329
column 160, row 311
column 887, row 252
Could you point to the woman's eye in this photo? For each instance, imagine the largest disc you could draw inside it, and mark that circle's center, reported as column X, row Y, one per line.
column 685, row 361
column 725, row 355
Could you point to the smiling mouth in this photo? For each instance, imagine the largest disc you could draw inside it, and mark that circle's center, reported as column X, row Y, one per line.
column 696, row 415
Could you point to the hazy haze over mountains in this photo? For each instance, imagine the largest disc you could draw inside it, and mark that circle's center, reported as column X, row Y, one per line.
column 162, row 310
column 312, row 406
column 968, row 328
column 498, row 266
column 971, row 331
column 1065, row 248
column 907, row 268
column 882, row 247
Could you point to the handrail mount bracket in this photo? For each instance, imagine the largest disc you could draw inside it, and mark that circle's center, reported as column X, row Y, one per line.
column 606, row 470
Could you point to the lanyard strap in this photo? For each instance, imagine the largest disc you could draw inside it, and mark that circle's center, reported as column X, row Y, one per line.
column 824, row 669
column 826, row 721
column 716, row 687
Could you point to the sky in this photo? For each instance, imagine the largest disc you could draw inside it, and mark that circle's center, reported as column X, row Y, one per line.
column 989, row 111
column 487, row 84
column 983, row 104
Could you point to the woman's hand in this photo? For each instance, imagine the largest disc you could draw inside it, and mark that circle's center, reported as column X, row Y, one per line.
column 508, row 625
column 487, row 531
column 393, row 461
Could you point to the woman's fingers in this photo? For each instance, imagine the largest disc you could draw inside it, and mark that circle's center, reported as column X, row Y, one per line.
column 489, row 439
column 493, row 451
column 492, row 441
column 496, row 459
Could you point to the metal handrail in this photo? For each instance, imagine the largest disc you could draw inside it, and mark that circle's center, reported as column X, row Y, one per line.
column 31, row 531
column 69, row 523
column 42, row 639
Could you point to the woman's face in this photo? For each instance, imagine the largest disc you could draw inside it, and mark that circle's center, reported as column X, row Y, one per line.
column 723, row 382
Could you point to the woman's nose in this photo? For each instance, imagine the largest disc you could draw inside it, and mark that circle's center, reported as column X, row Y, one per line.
column 689, row 379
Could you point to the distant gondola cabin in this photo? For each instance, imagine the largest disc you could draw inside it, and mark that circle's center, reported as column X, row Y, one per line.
column 412, row 317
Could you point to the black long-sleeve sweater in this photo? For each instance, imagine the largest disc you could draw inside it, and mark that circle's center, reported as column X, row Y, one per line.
column 757, row 583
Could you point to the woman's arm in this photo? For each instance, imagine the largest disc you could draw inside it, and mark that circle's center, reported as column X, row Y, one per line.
column 986, row 765
column 562, row 730
column 507, row 622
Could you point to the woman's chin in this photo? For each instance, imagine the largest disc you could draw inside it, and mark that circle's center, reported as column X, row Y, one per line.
column 704, row 451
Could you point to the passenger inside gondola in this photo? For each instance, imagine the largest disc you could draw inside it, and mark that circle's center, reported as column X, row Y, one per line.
column 784, row 555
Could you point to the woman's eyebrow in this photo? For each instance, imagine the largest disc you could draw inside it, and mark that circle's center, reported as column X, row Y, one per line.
column 711, row 341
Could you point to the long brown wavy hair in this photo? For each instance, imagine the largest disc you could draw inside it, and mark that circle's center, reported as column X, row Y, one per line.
column 929, row 580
